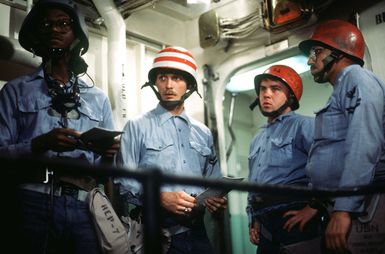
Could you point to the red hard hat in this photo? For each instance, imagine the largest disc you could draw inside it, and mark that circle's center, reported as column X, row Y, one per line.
column 340, row 35
column 285, row 74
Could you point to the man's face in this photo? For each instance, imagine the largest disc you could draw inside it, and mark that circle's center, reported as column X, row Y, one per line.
column 272, row 95
column 171, row 87
column 315, row 60
column 55, row 29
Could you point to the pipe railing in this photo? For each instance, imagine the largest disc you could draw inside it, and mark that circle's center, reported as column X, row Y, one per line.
column 13, row 170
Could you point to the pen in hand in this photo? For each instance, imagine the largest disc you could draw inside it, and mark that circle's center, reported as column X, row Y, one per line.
column 61, row 124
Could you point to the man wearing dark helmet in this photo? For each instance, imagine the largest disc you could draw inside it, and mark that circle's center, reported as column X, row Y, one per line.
column 43, row 115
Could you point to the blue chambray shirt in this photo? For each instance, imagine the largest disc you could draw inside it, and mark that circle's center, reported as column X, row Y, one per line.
column 176, row 145
column 349, row 145
column 278, row 154
column 24, row 105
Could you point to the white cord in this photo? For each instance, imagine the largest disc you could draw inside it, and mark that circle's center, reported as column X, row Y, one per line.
column 241, row 27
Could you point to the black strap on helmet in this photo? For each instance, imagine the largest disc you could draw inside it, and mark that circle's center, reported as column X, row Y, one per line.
column 277, row 112
column 289, row 102
column 320, row 77
column 254, row 104
column 169, row 104
column 76, row 63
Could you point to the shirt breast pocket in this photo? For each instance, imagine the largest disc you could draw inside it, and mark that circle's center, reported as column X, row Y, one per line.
column 202, row 152
column 281, row 152
column 32, row 110
column 330, row 123
column 93, row 117
column 254, row 153
column 254, row 157
column 159, row 153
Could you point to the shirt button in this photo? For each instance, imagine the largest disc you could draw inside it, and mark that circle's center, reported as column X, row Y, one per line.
column 179, row 130
column 259, row 164
column 182, row 145
column 184, row 161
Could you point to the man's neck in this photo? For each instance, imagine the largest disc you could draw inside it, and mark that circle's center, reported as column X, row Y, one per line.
column 58, row 69
column 338, row 67
column 177, row 110
column 272, row 119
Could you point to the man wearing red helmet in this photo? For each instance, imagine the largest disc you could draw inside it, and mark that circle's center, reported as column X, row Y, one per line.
column 168, row 139
column 349, row 142
column 278, row 155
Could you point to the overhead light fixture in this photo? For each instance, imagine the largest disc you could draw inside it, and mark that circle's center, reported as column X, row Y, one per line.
column 245, row 81
column 281, row 15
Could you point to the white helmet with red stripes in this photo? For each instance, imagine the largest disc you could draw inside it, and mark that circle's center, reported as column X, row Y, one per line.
column 175, row 58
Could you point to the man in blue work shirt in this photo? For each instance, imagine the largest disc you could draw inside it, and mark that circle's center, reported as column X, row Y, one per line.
column 278, row 155
column 43, row 115
column 349, row 142
column 168, row 139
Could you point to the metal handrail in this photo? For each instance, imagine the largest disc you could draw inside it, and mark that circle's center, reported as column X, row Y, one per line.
column 152, row 180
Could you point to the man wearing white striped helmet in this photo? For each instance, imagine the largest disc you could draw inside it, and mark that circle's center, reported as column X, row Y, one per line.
column 168, row 139
column 177, row 61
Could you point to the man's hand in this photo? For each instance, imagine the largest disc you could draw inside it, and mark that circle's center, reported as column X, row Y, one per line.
column 215, row 204
column 58, row 140
column 179, row 203
column 254, row 232
column 300, row 217
column 337, row 231
column 105, row 151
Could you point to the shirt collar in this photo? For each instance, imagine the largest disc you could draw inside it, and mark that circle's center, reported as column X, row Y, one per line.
column 343, row 73
column 164, row 115
column 280, row 118
column 38, row 74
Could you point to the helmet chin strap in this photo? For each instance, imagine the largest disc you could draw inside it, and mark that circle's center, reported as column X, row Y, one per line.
column 169, row 104
column 60, row 52
column 321, row 77
column 254, row 104
column 277, row 112
column 57, row 52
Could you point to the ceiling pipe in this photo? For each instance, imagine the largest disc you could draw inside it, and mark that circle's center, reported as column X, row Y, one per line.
column 116, row 28
column 230, row 126
column 14, row 60
column 29, row 5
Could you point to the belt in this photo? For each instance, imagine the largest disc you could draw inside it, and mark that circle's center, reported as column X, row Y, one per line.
column 60, row 190
column 263, row 202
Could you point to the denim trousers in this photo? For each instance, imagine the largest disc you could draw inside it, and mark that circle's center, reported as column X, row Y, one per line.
column 55, row 224
column 193, row 241
column 273, row 221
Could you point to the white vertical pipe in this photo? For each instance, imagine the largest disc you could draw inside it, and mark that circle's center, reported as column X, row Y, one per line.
column 116, row 28
column 29, row 5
